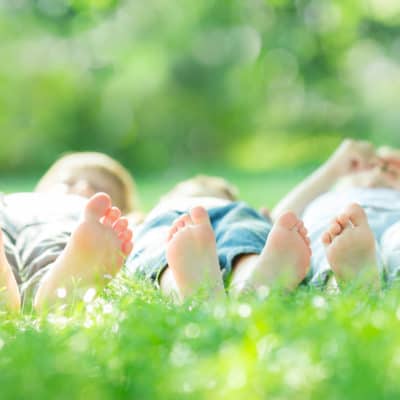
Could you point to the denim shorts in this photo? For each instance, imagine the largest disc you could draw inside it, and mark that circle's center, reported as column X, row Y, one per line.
column 238, row 229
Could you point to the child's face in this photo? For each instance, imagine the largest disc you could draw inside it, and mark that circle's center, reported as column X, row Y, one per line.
column 386, row 175
column 86, row 183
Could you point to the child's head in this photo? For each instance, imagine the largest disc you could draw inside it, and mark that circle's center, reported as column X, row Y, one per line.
column 87, row 173
column 204, row 186
column 386, row 174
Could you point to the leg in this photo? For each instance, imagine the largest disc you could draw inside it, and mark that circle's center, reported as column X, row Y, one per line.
column 350, row 247
column 283, row 261
column 9, row 292
column 94, row 253
column 192, row 256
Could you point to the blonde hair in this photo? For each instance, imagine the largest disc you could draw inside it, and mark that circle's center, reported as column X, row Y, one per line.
column 204, row 186
column 126, row 198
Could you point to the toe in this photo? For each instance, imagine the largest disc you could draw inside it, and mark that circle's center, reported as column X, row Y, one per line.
column 181, row 221
column 127, row 248
column 180, row 224
column 97, row 206
column 125, row 236
column 187, row 220
column 176, row 225
column 303, row 231
column 343, row 220
column 326, row 238
column 172, row 232
column 111, row 216
column 288, row 220
column 335, row 229
column 120, row 225
column 199, row 215
column 306, row 240
column 356, row 214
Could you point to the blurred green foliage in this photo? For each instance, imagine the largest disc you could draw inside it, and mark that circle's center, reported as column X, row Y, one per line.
column 158, row 83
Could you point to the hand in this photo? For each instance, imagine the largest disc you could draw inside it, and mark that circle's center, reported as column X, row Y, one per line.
column 390, row 157
column 265, row 212
column 352, row 156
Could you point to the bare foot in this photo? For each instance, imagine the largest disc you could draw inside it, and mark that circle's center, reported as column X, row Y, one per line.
column 94, row 253
column 192, row 254
column 350, row 247
column 9, row 292
column 285, row 258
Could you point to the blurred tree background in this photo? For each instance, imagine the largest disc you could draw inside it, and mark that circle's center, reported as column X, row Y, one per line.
column 159, row 83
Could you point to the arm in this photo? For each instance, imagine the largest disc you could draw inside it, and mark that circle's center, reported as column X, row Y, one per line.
column 350, row 156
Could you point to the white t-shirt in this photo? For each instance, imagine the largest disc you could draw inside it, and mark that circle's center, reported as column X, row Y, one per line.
column 381, row 205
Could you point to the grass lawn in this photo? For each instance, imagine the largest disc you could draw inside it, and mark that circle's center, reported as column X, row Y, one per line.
column 133, row 344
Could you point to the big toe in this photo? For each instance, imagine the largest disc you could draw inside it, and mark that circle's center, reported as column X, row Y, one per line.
column 356, row 214
column 199, row 215
column 287, row 220
column 97, row 206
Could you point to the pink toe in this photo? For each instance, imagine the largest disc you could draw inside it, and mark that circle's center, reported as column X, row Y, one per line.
column 303, row 231
column 111, row 216
column 180, row 224
column 120, row 225
column 97, row 206
column 326, row 238
column 335, row 229
column 288, row 220
column 172, row 232
column 187, row 220
column 181, row 221
column 343, row 220
column 125, row 236
column 174, row 228
column 357, row 214
column 127, row 248
column 199, row 215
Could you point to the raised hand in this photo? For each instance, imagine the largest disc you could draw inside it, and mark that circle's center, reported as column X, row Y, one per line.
column 352, row 156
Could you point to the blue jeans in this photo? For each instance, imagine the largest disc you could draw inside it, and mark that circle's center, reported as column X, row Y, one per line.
column 238, row 230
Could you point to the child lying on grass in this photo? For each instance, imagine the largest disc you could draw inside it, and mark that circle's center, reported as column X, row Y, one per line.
column 37, row 227
column 351, row 208
column 87, row 173
column 55, row 247
column 200, row 236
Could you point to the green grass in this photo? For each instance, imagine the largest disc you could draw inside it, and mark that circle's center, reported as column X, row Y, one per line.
column 133, row 344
